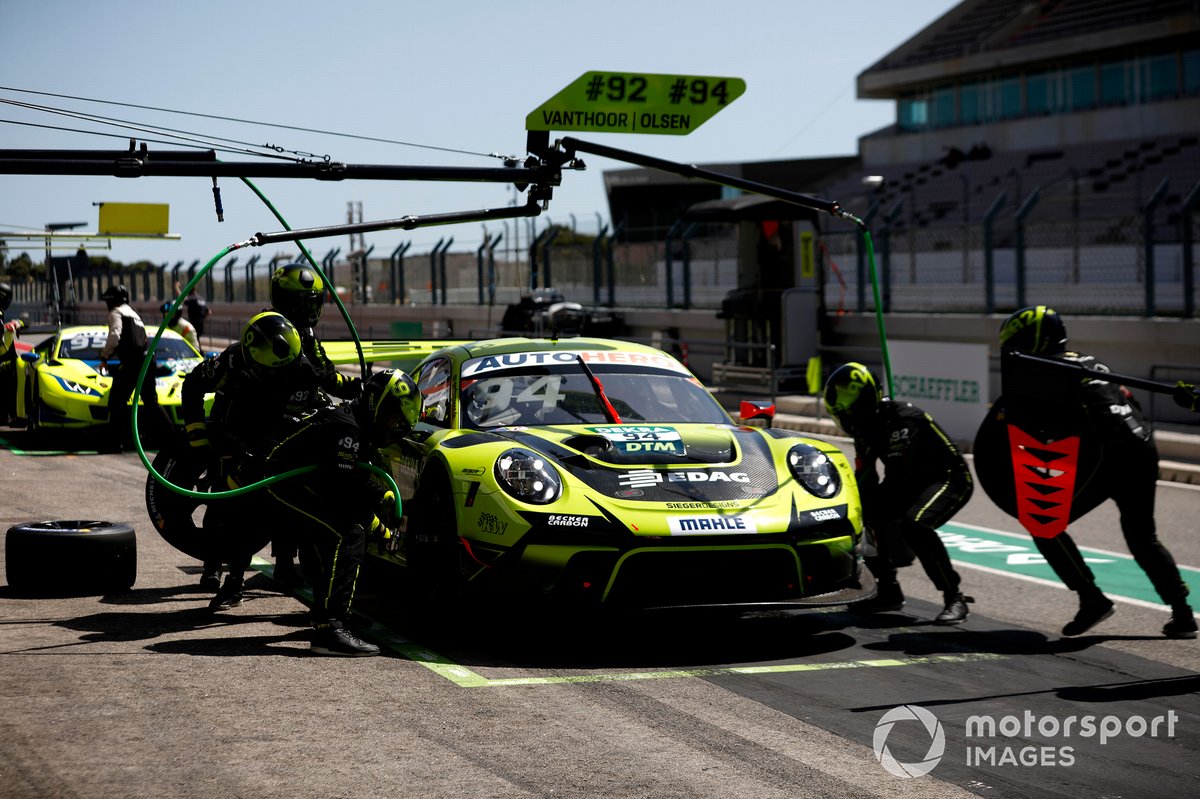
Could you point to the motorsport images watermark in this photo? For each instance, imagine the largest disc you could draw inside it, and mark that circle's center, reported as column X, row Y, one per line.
column 1025, row 740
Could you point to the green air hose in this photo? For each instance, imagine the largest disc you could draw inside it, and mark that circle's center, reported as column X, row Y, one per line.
column 887, row 361
column 188, row 492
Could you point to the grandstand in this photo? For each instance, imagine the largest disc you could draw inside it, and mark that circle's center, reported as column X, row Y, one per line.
column 1067, row 131
column 1094, row 102
column 1103, row 180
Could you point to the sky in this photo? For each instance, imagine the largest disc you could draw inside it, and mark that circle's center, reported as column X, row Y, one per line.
column 453, row 82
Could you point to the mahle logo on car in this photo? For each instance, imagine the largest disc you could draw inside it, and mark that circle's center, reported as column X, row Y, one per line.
column 712, row 525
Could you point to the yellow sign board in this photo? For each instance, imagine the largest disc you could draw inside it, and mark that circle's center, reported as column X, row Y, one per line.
column 806, row 254
column 133, row 219
column 623, row 102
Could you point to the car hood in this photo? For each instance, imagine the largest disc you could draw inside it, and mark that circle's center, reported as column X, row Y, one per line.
column 657, row 462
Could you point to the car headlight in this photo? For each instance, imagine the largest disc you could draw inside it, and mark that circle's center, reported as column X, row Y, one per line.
column 526, row 476
column 814, row 470
column 76, row 387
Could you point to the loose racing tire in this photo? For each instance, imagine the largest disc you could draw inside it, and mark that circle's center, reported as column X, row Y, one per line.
column 993, row 452
column 65, row 558
column 173, row 514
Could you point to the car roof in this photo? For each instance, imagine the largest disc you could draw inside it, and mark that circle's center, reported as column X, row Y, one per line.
column 504, row 346
column 102, row 330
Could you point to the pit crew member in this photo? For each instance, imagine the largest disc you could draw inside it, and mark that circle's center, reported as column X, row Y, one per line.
column 332, row 508
column 925, row 482
column 1128, row 471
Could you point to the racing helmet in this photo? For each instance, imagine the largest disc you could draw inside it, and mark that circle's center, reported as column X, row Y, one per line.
column 6, row 295
column 852, row 396
column 171, row 319
column 298, row 293
column 1036, row 329
column 391, row 403
column 269, row 341
column 115, row 295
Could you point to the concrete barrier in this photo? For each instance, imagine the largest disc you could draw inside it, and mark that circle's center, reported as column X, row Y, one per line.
column 1179, row 452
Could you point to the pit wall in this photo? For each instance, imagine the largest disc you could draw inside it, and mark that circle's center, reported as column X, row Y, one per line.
column 1129, row 345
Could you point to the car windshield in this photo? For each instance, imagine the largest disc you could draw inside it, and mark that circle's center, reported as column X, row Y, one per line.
column 563, row 393
column 86, row 346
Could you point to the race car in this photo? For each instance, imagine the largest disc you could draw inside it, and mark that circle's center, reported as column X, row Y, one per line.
column 603, row 471
column 59, row 384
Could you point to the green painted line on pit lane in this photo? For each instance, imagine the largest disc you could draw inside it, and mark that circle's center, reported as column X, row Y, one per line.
column 466, row 678
column 1015, row 553
column 784, row 668
column 8, row 445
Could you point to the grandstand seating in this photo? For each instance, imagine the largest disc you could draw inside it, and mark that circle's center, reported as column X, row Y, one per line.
column 1000, row 24
column 1107, row 180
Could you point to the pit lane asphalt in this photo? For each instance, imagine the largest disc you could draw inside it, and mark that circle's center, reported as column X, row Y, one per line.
column 147, row 693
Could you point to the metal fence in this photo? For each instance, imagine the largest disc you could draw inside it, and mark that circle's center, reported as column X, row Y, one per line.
column 1133, row 260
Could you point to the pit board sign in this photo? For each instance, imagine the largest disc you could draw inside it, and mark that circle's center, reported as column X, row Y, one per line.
column 624, row 102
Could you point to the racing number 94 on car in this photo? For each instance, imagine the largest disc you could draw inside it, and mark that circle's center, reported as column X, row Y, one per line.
column 604, row 471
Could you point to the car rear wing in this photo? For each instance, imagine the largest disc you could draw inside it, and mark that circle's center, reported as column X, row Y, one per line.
column 397, row 354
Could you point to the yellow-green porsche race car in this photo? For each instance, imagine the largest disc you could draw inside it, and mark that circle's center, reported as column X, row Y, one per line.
column 603, row 471
column 59, row 384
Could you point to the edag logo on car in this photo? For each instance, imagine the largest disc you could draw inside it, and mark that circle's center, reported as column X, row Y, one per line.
column 643, row 478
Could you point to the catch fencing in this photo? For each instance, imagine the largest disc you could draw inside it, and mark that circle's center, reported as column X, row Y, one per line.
column 1127, row 257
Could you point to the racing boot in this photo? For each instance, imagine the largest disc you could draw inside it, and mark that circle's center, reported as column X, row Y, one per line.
column 210, row 579
column 287, row 574
column 956, row 610
column 334, row 639
column 1093, row 609
column 1182, row 623
column 887, row 598
column 230, row 595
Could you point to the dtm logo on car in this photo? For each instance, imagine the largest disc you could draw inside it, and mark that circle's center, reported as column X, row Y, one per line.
column 711, row 525
column 642, row 438
column 643, row 478
column 649, row 446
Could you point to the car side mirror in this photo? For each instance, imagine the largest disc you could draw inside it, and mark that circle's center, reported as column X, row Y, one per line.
column 30, row 357
column 757, row 409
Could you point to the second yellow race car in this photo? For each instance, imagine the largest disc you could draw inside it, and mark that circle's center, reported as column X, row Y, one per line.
column 60, row 385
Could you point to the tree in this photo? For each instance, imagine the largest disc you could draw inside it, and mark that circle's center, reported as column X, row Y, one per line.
column 19, row 269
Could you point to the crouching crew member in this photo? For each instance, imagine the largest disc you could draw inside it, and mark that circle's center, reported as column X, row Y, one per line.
column 332, row 509
column 925, row 482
